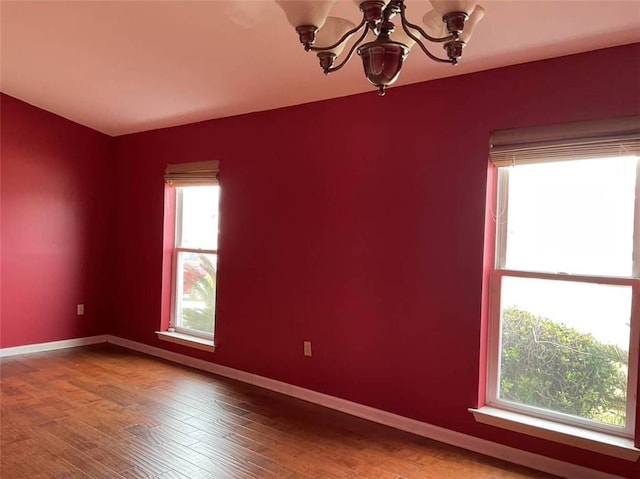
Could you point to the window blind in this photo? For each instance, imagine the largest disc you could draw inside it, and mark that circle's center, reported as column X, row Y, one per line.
column 570, row 141
column 192, row 174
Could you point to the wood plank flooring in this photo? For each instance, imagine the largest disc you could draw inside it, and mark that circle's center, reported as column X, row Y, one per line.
column 105, row 412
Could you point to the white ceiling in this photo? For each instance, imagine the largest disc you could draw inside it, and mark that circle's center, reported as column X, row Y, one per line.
column 126, row 66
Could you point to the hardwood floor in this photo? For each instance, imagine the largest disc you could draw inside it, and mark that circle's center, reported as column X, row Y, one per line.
column 105, row 412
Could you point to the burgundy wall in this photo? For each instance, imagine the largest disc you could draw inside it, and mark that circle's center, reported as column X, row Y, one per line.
column 358, row 224
column 55, row 226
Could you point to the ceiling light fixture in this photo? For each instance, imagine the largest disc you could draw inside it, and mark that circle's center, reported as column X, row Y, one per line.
column 450, row 23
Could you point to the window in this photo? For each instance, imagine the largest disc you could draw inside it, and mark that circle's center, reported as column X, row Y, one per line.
column 195, row 252
column 563, row 332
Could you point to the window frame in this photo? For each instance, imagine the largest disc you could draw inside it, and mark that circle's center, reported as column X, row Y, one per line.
column 498, row 272
column 175, row 271
column 175, row 308
column 177, row 175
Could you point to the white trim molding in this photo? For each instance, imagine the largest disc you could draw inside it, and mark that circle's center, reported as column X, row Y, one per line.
column 594, row 441
column 40, row 347
column 187, row 340
column 464, row 441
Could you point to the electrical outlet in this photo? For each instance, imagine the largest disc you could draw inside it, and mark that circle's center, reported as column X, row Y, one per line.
column 80, row 309
column 307, row 348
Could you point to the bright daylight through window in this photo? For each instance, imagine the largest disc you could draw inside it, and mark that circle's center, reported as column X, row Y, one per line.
column 195, row 263
column 563, row 330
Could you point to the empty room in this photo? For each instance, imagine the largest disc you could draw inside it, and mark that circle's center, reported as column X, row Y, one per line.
column 319, row 239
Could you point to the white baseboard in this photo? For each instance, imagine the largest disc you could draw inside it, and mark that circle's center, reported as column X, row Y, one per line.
column 40, row 347
column 464, row 441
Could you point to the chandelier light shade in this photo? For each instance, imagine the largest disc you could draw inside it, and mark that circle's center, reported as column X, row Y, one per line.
column 444, row 7
column 334, row 27
column 300, row 12
column 400, row 36
column 470, row 24
column 434, row 25
column 450, row 23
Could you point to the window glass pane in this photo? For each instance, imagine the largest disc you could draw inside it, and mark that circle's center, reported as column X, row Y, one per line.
column 565, row 347
column 572, row 217
column 196, row 291
column 199, row 217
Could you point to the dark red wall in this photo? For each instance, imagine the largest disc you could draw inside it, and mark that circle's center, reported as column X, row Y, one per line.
column 358, row 224
column 55, row 226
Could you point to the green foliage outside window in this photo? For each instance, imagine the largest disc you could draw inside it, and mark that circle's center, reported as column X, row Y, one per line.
column 552, row 366
column 200, row 290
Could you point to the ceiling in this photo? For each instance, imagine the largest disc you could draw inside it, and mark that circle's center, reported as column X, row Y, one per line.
column 127, row 66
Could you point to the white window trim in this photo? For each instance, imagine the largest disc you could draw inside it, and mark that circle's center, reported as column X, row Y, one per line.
column 493, row 362
column 594, row 441
column 173, row 324
column 187, row 340
column 557, row 427
column 177, row 334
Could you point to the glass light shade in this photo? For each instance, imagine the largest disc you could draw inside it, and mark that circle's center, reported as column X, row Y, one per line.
column 331, row 32
column 306, row 12
column 449, row 6
column 399, row 35
column 472, row 21
column 434, row 24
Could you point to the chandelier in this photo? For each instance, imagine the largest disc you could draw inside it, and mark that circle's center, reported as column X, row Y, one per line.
column 450, row 23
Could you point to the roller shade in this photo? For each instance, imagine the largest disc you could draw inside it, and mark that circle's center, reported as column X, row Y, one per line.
column 192, row 174
column 570, row 141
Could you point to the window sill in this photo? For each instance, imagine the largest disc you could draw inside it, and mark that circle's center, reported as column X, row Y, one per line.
column 599, row 442
column 187, row 340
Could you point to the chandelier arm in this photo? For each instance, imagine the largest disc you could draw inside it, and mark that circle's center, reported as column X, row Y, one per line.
column 429, row 54
column 406, row 25
column 424, row 34
column 353, row 49
column 344, row 38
